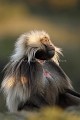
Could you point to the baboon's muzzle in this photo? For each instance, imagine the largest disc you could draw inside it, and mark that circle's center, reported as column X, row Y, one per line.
column 45, row 54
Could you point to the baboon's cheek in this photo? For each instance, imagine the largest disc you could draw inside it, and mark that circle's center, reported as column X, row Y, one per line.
column 41, row 54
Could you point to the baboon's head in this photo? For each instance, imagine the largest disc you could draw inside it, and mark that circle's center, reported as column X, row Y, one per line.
column 36, row 45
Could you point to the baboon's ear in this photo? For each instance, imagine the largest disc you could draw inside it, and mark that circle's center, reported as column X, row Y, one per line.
column 69, row 98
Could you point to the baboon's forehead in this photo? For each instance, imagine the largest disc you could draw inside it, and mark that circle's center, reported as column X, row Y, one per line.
column 32, row 38
column 36, row 36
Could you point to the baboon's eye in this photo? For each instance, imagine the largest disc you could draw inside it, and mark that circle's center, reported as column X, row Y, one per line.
column 44, row 40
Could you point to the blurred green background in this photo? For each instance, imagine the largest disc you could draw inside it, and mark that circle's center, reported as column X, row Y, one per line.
column 60, row 18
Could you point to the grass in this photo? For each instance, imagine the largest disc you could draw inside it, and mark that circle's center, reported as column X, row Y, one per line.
column 44, row 114
column 54, row 114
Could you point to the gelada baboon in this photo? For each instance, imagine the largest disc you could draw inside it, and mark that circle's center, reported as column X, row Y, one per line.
column 33, row 77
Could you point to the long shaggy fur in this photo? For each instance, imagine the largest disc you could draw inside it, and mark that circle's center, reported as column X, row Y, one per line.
column 24, row 76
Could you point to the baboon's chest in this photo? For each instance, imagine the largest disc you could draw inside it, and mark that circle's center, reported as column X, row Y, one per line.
column 47, row 74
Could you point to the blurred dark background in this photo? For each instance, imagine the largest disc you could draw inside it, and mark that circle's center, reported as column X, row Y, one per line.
column 60, row 18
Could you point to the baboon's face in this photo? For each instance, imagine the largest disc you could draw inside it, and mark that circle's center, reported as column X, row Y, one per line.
column 34, row 45
column 48, row 50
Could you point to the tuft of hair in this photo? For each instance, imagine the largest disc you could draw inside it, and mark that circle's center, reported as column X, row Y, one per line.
column 15, row 84
column 56, row 57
